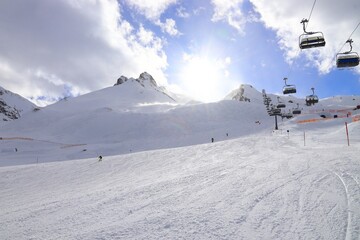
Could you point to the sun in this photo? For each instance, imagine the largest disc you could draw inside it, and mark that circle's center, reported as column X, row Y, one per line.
column 202, row 77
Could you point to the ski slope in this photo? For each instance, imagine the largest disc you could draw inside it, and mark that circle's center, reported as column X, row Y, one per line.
column 266, row 186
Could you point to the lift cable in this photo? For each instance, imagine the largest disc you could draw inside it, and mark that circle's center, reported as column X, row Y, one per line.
column 299, row 50
column 350, row 36
column 334, row 57
column 311, row 12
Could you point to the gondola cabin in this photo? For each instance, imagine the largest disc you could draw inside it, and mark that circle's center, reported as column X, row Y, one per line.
column 311, row 100
column 275, row 112
column 345, row 60
column 311, row 40
column 287, row 115
column 281, row 105
column 289, row 89
column 296, row 111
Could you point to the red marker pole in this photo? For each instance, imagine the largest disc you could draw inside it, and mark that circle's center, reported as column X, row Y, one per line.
column 347, row 133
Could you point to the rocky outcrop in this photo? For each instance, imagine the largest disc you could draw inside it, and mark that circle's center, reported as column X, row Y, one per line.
column 12, row 105
column 121, row 80
column 240, row 96
column 143, row 79
column 9, row 112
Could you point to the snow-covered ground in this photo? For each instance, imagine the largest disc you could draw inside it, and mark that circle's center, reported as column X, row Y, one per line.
column 268, row 186
column 161, row 177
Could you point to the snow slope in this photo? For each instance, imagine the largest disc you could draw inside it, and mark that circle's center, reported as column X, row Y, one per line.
column 136, row 115
column 170, row 181
column 268, row 186
column 131, row 117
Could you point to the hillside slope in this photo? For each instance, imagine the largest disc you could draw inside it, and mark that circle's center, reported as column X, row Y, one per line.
column 134, row 115
column 268, row 186
column 137, row 115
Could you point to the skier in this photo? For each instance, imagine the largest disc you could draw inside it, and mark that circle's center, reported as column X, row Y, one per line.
column 100, row 158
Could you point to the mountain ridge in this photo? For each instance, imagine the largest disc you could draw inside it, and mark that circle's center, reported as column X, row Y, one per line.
column 13, row 106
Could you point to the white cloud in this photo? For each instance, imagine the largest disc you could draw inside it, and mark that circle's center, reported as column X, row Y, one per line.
column 151, row 9
column 169, row 26
column 230, row 12
column 57, row 48
column 181, row 12
column 227, row 60
column 335, row 19
column 197, row 11
column 145, row 36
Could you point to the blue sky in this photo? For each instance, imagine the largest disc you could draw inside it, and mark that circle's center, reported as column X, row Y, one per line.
column 203, row 48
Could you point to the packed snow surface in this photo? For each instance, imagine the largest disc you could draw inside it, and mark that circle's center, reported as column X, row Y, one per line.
column 258, row 187
column 161, row 177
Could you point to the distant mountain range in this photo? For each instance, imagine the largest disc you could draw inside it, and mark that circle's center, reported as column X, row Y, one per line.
column 13, row 106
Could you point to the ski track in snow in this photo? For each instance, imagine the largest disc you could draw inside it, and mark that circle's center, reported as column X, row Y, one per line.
column 352, row 192
column 257, row 187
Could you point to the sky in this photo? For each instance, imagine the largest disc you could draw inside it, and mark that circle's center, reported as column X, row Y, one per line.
column 205, row 48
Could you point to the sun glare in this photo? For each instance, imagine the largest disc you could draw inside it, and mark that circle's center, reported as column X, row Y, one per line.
column 201, row 77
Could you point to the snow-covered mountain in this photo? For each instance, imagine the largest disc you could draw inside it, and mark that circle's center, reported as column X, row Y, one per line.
column 147, row 81
column 134, row 115
column 245, row 93
column 162, row 176
column 137, row 115
column 13, row 106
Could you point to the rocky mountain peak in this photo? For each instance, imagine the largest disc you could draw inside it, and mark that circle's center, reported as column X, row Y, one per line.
column 144, row 78
column 245, row 93
column 147, row 77
column 121, row 80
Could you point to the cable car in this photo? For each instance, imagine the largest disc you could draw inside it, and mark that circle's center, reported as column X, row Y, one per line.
column 310, row 39
column 287, row 115
column 288, row 89
column 296, row 110
column 311, row 99
column 280, row 104
column 347, row 59
column 275, row 112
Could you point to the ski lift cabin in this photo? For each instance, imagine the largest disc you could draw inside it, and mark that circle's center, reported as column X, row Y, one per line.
column 311, row 99
column 297, row 110
column 310, row 39
column 280, row 104
column 275, row 112
column 287, row 115
column 288, row 89
column 347, row 59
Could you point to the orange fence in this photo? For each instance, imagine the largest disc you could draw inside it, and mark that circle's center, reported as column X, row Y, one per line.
column 16, row 138
column 353, row 119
